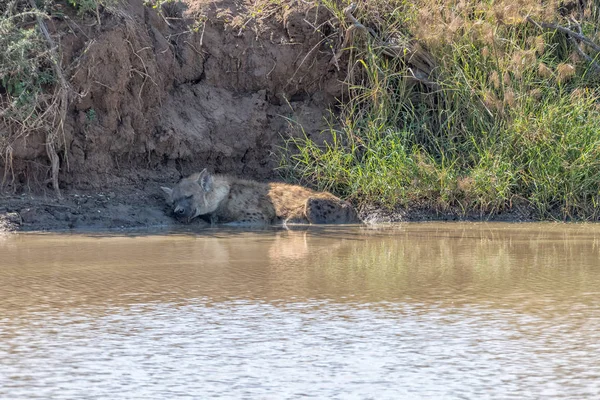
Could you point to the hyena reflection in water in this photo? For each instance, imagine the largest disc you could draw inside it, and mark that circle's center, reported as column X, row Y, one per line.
column 225, row 199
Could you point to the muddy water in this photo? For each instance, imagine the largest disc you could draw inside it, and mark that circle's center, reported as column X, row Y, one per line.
column 412, row 311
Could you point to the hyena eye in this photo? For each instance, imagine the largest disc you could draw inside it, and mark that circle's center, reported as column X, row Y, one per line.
column 189, row 197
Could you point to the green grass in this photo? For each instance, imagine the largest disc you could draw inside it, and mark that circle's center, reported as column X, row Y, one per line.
column 499, row 130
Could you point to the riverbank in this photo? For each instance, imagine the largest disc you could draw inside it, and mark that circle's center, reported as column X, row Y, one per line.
column 410, row 110
column 142, row 209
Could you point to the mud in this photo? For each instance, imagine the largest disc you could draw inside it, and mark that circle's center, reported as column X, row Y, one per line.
column 146, row 209
column 83, row 211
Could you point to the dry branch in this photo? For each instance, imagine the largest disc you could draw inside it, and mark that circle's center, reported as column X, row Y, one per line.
column 582, row 53
column 413, row 54
column 566, row 31
column 573, row 38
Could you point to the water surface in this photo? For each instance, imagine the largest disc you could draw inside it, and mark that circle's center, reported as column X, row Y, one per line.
column 422, row 311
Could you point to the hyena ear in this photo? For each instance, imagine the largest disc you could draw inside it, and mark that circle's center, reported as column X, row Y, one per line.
column 168, row 192
column 205, row 180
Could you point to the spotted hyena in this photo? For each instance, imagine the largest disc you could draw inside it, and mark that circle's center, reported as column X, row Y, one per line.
column 225, row 199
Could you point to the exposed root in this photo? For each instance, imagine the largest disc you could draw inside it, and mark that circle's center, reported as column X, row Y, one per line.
column 8, row 166
column 52, row 137
column 55, row 164
column 145, row 74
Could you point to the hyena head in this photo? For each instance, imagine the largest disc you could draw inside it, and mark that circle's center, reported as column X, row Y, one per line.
column 191, row 196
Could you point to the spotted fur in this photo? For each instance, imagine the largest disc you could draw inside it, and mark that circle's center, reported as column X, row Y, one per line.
column 225, row 199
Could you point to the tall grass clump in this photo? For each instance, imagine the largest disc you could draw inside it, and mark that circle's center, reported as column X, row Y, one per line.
column 464, row 106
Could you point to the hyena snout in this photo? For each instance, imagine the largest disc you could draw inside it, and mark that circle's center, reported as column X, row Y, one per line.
column 183, row 210
column 179, row 211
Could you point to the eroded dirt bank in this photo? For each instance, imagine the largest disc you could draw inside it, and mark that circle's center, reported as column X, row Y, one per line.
column 212, row 87
column 156, row 94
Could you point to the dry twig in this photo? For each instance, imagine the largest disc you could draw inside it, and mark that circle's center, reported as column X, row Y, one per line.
column 573, row 38
column 566, row 31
